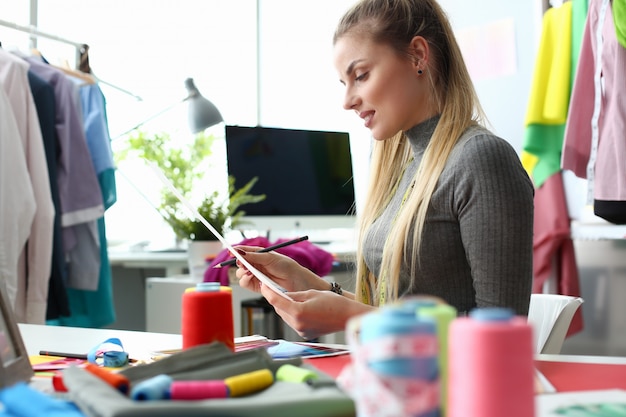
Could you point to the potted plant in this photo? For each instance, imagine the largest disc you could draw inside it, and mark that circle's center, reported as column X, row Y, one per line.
column 185, row 166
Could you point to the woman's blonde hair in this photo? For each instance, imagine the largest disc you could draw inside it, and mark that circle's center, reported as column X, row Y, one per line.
column 396, row 23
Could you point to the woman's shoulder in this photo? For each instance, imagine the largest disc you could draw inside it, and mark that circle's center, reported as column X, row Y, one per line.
column 478, row 142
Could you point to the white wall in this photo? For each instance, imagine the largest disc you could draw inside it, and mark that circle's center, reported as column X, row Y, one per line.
column 150, row 46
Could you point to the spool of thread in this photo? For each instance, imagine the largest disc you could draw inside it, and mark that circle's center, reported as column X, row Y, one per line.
column 491, row 369
column 198, row 390
column 292, row 373
column 155, row 388
column 400, row 348
column 207, row 316
column 249, row 382
column 443, row 315
column 57, row 382
column 114, row 379
column 386, row 329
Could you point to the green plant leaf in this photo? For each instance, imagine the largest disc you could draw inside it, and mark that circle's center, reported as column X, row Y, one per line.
column 185, row 167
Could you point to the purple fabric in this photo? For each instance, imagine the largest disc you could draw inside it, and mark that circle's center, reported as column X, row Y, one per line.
column 305, row 253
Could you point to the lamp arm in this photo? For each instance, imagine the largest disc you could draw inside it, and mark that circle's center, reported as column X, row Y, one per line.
column 154, row 116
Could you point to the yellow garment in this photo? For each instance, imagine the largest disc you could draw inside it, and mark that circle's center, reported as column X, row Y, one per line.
column 529, row 162
column 550, row 89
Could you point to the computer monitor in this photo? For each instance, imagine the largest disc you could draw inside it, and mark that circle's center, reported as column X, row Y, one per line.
column 306, row 175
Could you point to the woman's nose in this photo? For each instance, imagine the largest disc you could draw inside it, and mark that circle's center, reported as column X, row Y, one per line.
column 350, row 100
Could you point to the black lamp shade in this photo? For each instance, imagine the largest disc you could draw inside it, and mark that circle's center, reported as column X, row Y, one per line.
column 202, row 113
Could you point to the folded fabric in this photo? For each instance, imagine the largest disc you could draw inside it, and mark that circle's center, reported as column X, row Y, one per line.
column 305, row 253
column 204, row 363
column 20, row 400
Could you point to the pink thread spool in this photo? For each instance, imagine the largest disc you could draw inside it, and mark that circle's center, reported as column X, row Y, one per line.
column 198, row 390
column 490, row 365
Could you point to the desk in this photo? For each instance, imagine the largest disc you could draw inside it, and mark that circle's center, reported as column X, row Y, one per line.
column 80, row 340
column 174, row 263
column 132, row 269
column 565, row 372
column 140, row 344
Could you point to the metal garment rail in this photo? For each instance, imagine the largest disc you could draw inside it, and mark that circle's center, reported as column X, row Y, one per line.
column 80, row 47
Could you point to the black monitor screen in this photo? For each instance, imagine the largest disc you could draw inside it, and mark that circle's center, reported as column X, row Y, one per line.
column 302, row 172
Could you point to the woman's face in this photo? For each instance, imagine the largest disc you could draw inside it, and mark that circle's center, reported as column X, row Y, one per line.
column 383, row 88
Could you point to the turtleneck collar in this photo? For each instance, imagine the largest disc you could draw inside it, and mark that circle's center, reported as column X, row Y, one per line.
column 420, row 134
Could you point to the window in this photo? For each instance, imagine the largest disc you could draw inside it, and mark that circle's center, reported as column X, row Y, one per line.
column 150, row 47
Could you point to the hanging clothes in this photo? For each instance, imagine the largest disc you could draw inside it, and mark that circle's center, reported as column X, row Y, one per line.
column 17, row 199
column 31, row 295
column 549, row 96
column 553, row 250
column 95, row 308
column 79, row 189
column 595, row 144
column 619, row 20
column 43, row 94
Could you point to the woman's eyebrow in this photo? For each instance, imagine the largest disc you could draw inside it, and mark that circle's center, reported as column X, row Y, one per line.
column 352, row 65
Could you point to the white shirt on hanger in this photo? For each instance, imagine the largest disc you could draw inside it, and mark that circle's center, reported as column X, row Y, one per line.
column 31, row 299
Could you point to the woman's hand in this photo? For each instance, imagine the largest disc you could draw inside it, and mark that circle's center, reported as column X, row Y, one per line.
column 280, row 268
column 313, row 313
column 313, row 310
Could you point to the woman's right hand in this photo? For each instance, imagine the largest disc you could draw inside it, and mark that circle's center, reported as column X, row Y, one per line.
column 280, row 268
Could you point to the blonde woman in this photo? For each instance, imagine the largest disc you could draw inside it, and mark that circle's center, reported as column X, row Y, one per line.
column 449, row 211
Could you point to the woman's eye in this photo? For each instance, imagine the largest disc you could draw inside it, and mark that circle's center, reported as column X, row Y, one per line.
column 361, row 77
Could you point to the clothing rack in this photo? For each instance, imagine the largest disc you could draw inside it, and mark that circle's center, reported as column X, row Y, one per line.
column 81, row 49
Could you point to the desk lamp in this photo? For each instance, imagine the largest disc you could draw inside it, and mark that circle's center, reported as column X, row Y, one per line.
column 202, row 114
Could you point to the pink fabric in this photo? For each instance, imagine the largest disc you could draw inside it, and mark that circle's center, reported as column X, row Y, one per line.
column 553, row 249
column 610, row 170
column 305, row 253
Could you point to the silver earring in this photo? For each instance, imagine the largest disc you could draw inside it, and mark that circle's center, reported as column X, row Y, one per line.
column 420, row 72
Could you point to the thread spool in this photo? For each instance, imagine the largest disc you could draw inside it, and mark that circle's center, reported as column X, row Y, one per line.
column 490, row 359
column 249, row 382
column 114, row 379
column 400, row 348
column 198, row 390
column 443, row 315
column 207, row 316
column 155, row 388
column 292, row 373
column 389, row 326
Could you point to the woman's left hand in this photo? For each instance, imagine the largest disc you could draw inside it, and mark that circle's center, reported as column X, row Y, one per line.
column 313, row 313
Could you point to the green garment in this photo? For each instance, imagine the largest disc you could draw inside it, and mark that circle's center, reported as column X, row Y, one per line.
column 619, row 19
column 545, row 142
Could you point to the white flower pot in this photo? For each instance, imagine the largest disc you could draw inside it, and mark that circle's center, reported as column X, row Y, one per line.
column 198, row 251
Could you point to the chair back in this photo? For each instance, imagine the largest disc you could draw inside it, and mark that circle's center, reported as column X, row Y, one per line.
column 550, row 316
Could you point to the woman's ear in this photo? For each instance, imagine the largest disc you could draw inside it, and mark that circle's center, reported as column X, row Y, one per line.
column 420, row 52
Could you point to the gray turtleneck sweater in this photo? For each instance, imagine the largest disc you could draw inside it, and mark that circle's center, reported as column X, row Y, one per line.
column 478, row 237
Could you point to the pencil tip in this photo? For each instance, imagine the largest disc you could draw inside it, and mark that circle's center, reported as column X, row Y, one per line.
column 217, row 266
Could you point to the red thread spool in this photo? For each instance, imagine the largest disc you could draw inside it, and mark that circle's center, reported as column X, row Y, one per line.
column 114, row 379
column 207, row 315
column 198, row 390
column 57, row 382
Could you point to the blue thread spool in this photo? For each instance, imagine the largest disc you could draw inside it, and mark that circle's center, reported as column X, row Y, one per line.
column 392, row 322
column 395, row 322
column 155, row 388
